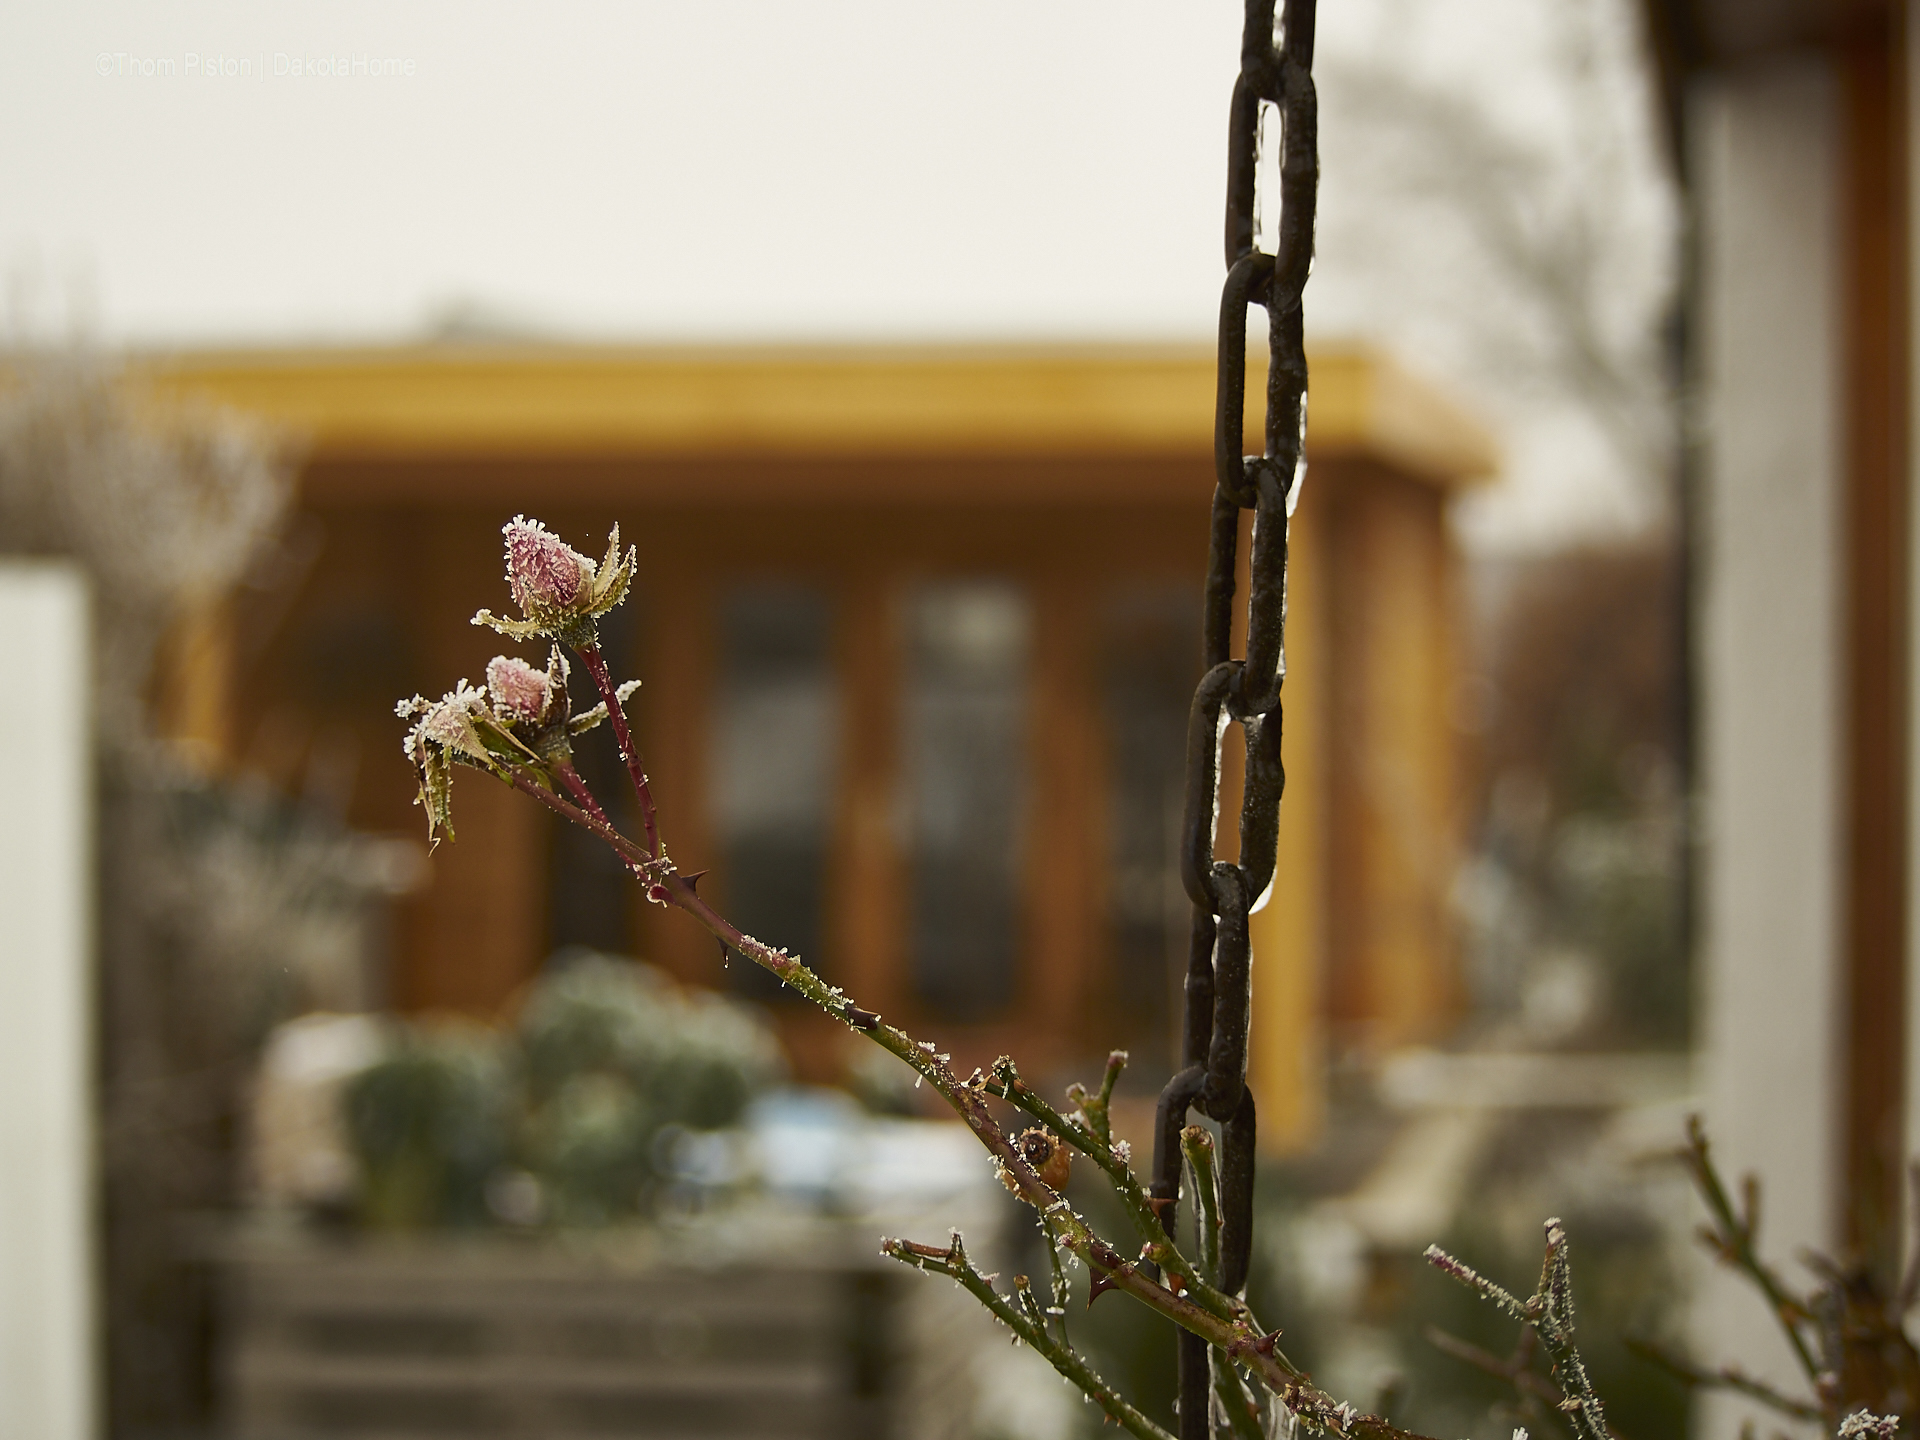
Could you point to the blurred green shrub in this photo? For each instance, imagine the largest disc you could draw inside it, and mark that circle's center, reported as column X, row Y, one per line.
column 569, row 1118
column 430, row 1123
column 616, row 1059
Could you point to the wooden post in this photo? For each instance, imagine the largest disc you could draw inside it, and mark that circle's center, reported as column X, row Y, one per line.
column 1287, row 1064
column 1874, row 361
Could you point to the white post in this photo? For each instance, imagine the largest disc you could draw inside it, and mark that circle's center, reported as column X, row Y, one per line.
column 1771, row 703
column 48, row 1340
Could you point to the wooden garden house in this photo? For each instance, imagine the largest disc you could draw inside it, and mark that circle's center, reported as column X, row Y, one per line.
column 917, row 631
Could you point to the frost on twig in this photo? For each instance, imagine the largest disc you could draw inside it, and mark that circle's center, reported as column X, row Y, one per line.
column 1026, row 1322
column 1549, row 1311
column 1865, row 1425
column 1477, row 1282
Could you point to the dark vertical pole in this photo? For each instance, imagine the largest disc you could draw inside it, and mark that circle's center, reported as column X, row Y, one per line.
column 1874, row 307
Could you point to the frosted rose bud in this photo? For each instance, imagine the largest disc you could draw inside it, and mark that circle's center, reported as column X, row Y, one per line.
column 547, row 576
column 446, row 722
column 448, row 725
column 560, row 591
column 520, row 692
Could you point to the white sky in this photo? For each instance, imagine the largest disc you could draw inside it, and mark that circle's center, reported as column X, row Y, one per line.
column 1005, row 169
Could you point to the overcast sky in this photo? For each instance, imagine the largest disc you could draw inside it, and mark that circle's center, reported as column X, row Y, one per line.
column 1007, row 169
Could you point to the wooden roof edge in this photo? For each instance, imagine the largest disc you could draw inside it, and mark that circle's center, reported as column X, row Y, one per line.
column 1405, row 419
column 483, row 352
column 532, row 400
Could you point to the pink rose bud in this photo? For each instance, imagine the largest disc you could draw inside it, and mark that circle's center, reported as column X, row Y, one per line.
column 548, row 577
column 560, row 591
column 520, row 692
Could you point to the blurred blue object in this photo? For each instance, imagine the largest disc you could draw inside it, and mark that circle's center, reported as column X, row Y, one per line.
column 819, row 1148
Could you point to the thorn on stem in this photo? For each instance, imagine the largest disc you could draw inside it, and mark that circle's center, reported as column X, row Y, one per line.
column 1102, row 1282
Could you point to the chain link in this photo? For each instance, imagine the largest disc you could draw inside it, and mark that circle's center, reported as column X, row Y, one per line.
column 1247, row 691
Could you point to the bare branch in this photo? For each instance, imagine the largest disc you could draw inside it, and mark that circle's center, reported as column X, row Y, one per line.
column 1727, row 1377
column 1549, row 1311
column 1733, row 1242
column 1517, row 1371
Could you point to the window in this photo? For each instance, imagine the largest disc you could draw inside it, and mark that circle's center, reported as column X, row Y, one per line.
column 964, row 774
column 1151, row 663
column 775, row 743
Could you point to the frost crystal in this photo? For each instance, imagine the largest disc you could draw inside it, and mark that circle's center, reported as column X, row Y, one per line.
column 447, row 722
column 544, row 573
column 559, row 590
column 1864, row 1423
column 519, row 691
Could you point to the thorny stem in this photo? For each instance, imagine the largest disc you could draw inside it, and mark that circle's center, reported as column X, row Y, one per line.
column 1475, row 1281
column 1529, row 1384
column 1197, row 1143
column 617, row 717
column 1549, row 1310
column 1062, row 1288
column 1030, row 1308
column 1155, row 1245
column 1243, row 1415
column 1098, row 1108
column 953, row 1262
column 1733, row 1241
column 582, row 796
column 526, row 782
column 1555, row 1328
column 1220, row 1320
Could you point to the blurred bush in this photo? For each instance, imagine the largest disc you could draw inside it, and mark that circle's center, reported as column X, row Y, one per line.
column 430, row 1122
column 570, row 1118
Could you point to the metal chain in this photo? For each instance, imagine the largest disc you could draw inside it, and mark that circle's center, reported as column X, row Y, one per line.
column 1219, row 963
